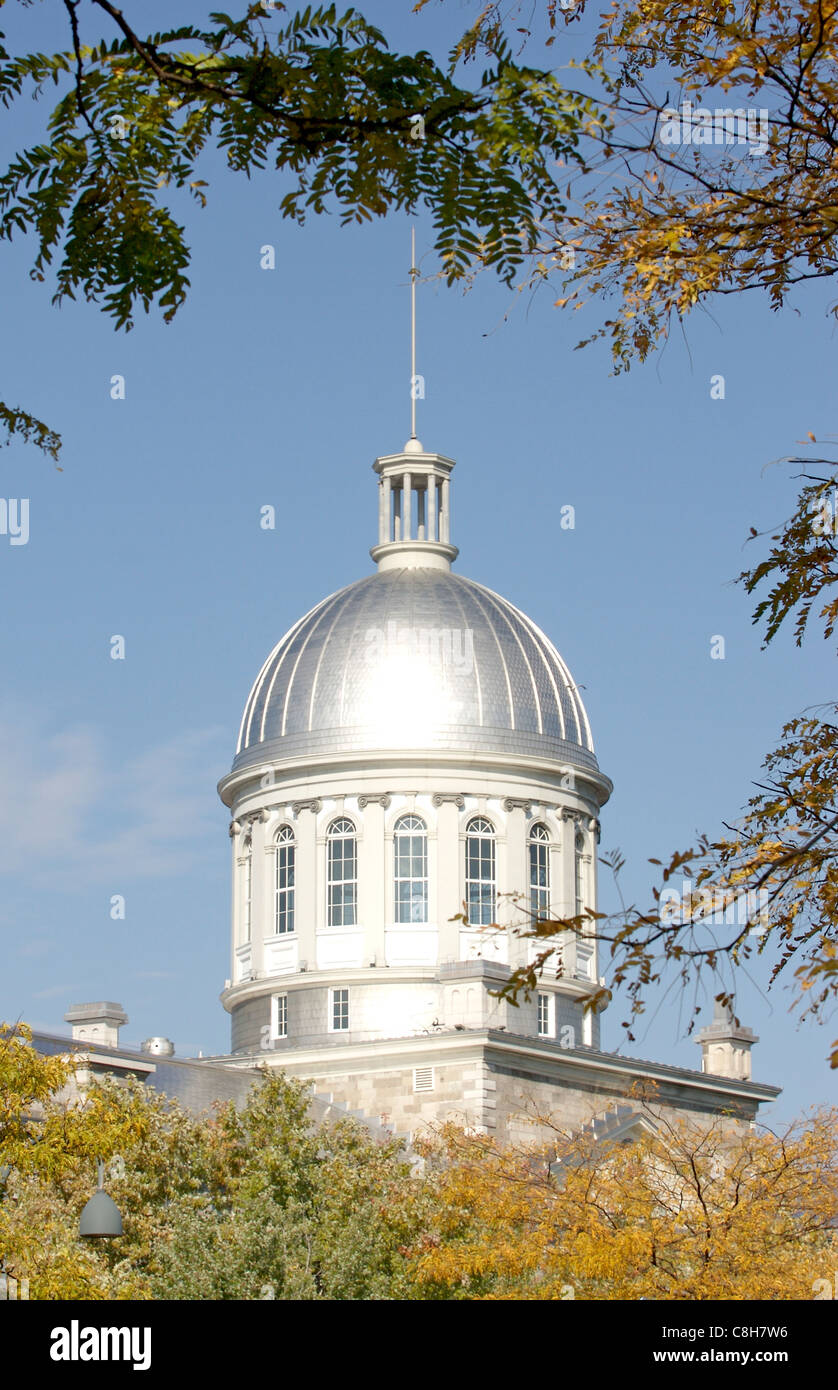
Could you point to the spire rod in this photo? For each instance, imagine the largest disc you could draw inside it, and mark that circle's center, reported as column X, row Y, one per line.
column 414, row 274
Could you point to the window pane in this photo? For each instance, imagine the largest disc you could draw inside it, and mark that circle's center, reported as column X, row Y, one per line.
column 340, row 1009
column 284, row 888
column 282, row 1015
column 539, row 874
column 342, row 874
column 411, row 870
column 480, row 872
column 543, row 1014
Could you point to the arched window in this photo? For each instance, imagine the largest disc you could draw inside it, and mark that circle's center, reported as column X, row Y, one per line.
column 284, row 881
column 411, row 863
column 480, row 872
column 539, row 873
column 579, row 879
column 342, row 885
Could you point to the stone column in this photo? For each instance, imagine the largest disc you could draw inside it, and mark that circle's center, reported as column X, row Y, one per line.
column 517, row 876
column 388, row 509
column 235, row 830
column 260, row 897
column 406, row 507
column 431, row 508
column 566, row 888
column 449, row 889
column 307, row 879
column 444, row 519
column 373, row 910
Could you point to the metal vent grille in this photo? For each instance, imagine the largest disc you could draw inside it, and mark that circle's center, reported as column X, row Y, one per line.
column 423, row 1078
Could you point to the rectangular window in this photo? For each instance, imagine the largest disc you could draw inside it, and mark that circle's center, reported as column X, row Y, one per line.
column 280, row 1018
column 545, row 1021
column 339, row 1010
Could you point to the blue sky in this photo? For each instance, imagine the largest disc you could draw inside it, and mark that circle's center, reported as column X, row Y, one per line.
column 281, row 387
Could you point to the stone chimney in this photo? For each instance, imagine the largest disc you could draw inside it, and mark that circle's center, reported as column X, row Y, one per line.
column 97, row 1023
column 726, row 1045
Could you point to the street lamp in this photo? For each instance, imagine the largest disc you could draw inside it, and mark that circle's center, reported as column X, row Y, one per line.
column 100, row 1218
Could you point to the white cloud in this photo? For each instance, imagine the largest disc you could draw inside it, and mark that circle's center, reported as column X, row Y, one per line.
column 74, row 812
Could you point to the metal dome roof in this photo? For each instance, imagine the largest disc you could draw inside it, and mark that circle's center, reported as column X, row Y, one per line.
column 414, row 659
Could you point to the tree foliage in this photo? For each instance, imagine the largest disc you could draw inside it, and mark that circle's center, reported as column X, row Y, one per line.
column 260, row 1203
column 351, row 126
column 293, row 1212
column 688, row 1211
column 663, row 217
column 688, row 221
column 249, row 1204
column 317, row 97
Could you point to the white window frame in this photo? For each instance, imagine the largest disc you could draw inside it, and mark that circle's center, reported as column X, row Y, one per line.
column 413, row 827
column 545, row 1012
column 332, row 838
column 285, row 897
column 279, row 1016
column 334, row 1002
column 539, row 840
column 481, row 833
column 579, row 888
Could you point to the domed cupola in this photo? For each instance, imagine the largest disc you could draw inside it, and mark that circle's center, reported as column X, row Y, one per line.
column 412, row 744
column 414, row 657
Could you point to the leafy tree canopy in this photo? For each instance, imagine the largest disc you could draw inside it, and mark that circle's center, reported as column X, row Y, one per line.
column 715, row 171
column 317, row 97
column 688, row 1211
column 250, row 1204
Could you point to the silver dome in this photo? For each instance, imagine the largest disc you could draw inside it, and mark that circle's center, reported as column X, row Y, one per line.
column 411, row 659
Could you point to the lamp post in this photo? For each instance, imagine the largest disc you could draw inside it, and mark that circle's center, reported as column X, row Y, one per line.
column 100, row 1218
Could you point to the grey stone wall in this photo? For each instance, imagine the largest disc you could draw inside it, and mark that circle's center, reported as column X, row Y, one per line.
column 246, row 1024
column 388, row 1097
column 385, row 1008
